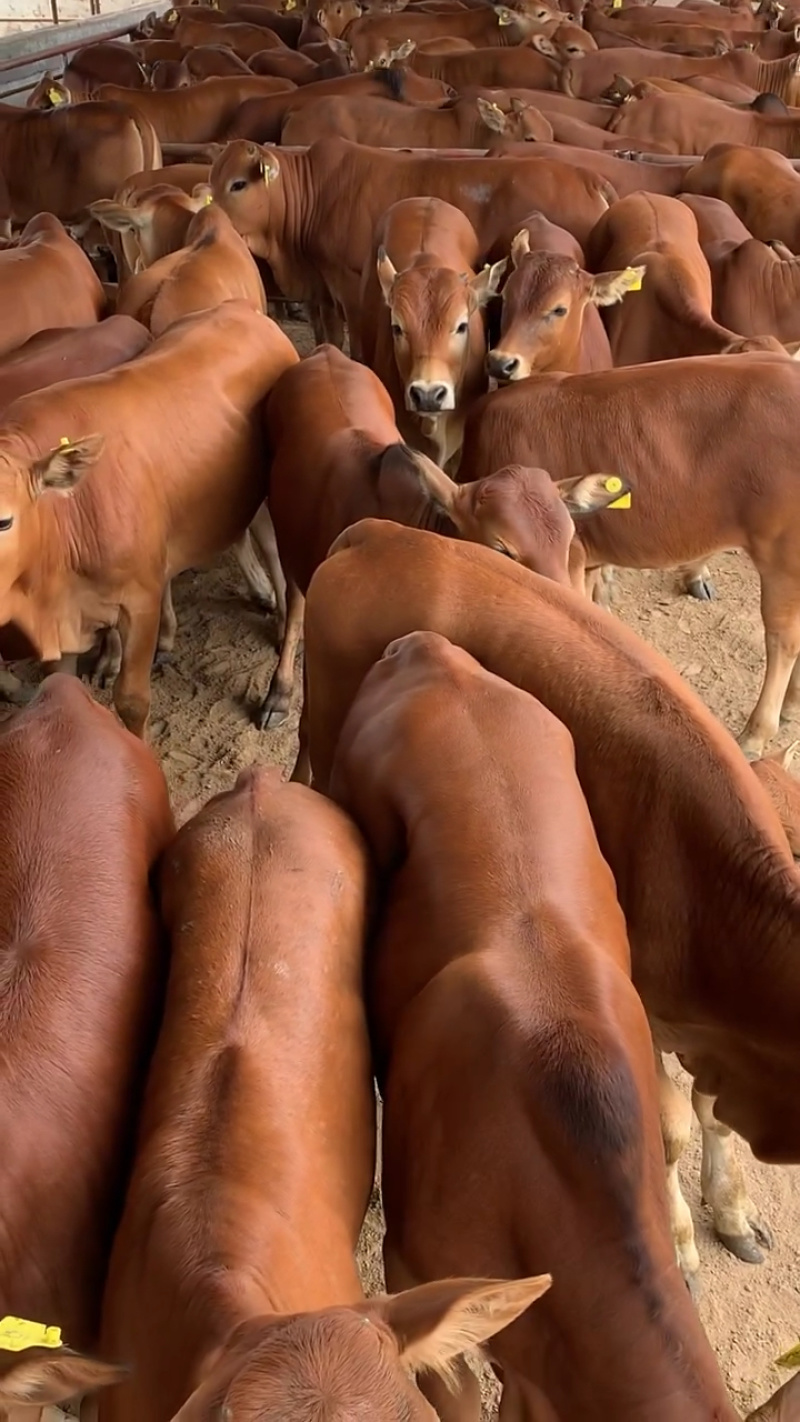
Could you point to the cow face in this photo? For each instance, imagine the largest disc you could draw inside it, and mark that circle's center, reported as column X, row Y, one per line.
column 522, row 513
column 544, row 301
column 357, row 1362
column 335, row 15
column 437, row 329
column 246, row 183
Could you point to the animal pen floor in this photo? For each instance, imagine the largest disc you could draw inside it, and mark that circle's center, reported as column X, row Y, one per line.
column 202, row 730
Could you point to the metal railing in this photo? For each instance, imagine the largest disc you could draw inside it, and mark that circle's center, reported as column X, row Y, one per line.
column 26, row 56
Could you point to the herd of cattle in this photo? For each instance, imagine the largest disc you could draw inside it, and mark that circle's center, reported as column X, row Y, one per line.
column 531, row 861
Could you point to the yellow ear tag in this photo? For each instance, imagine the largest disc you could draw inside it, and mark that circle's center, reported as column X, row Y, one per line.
column 54, row 95
column 636, row 283
column 64, row 441
column 616, row 4
column 791, row 1359
column 17, row 1334
column 613, row 484
column 623, row 502
column 504, row 18
column 209, row 198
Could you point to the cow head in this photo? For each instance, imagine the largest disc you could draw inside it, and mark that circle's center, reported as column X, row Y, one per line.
column 521, row 124
column 544, row 301
column 24, row 480
column 49, row 93
column 246, row 182
column 437, row 329
column 278, row 1367
column 522, row 513
column 333, row 16
column 39, row 1377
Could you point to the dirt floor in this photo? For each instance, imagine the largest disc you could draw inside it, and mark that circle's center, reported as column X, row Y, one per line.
column 203, row 733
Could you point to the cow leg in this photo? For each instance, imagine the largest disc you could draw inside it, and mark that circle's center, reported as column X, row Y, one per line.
column 780, row 612
column 697, row 582
column 328, row 324
column 676, row 1128
column 253, row 570
column 277, row 701
column 103, row 662
column 139, row 633
column 599, row 582
column 262, row 531
column 167, row 627
column 302, row 766
column 458, row 1400
column 737, row 1222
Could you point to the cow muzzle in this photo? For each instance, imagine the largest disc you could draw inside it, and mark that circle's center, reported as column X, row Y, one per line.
column 504, row 366
column 430, row 397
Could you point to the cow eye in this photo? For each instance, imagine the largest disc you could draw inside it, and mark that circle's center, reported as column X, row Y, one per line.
column 501, row 548
column 6, row 524
column 396, row 330
column 462, row 328
column 559, row 311
column 238, row 185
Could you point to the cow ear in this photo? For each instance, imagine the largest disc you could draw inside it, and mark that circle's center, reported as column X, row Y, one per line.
column 609, row 287
column 117, row 216
column 387, row 273
column 592, row 492
column 437, row 485
column 436, row 1323
column 65, row 466
column 492, row 116
column 484, row 286
column 51, row 1378
column 520, row 247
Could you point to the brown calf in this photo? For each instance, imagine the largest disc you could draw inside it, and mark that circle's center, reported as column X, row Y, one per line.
column 422, row 321
column 68, row 354
column 550, row 319
column 762, row 187
column 520, row 67
column 693, row 123
column 263, row 119
column 469, row 123
column 488, row 27
column 520, row 1003
column 288, row 206
column 213, row 267
column 732, row 1023
column 233, row 1285
column 163, row 459
column 147, row 223
column 45, row 281
column 671, row 316
column 85, row 815
column 338, row 457
column 648, row 422
column 199, row 114
column 64, row 160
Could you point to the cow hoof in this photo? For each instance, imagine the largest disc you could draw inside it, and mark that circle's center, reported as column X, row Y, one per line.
column 702, row 588
column 742, row 1246
column 164, row 658
column 271, row 716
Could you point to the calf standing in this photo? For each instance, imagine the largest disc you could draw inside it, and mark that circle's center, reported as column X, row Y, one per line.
column 422, row 322
column 338, row 457
column 233, row 1287
column 514, row 1055
column 163, row 463
column 84, row 814
column 214, row 266
column 650, row 422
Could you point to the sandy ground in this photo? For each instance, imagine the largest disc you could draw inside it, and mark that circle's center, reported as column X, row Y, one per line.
column 202, row 731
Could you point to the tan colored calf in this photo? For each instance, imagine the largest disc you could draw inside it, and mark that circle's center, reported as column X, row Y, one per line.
column 423, row 328
column 233, row 1286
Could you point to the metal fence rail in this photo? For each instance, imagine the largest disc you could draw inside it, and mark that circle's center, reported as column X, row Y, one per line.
column 25, row 57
